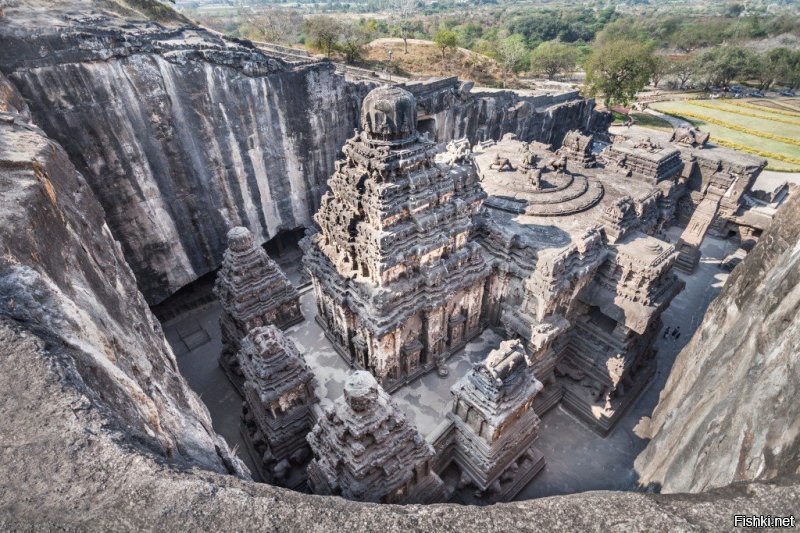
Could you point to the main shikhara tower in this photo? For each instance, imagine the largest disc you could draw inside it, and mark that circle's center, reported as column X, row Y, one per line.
column 399, row 282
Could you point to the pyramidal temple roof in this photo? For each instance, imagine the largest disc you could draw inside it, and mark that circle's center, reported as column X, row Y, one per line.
column 367, row 440
column 249, row 283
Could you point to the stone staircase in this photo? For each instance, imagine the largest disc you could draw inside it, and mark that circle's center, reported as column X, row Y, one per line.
column 692, row 237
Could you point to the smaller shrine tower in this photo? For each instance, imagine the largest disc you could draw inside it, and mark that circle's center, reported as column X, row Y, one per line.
column 365, row 450
column 278, row 410
column 253, row 292
column 496, row 425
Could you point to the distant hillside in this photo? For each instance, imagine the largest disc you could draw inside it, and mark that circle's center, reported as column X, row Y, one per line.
column 152, row 9
column 424, row 58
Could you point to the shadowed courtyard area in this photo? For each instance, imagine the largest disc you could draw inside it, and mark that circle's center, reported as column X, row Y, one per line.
column 577, row 458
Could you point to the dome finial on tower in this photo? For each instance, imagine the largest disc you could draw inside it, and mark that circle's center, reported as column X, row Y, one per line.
column 389, row 113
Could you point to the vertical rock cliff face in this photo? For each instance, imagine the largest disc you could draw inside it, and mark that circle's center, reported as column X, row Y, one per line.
column 730, row 410
column 182, row 134
column 449, row 109
column 180, row 152
column 65, row 284
column 490, row 116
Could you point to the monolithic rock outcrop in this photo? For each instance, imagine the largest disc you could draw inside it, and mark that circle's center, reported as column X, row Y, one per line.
column 451, row 109
column 182, row 134
column 730, row 410
column 65, row 285
column 98, row 429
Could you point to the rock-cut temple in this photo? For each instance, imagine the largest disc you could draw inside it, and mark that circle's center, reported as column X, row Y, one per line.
column 560, row 250
column 398, row 276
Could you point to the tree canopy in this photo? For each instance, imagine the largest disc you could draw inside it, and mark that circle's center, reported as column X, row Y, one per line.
column 552, row 58
column 511, row 52
column 618, row 69
column 725, row 64
column 323, row 33
column 446, row 40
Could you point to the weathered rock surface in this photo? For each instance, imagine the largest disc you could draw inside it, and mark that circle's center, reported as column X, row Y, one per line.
column 182, row 134
column 730, row 409
column 65, row 282
column 98, row 431
column 64, row 467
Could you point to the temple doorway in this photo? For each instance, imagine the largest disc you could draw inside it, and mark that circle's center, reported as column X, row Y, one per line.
column 284, row 249
column 427, row 125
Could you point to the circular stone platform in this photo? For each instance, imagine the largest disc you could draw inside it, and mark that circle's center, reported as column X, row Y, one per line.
column 559, row 194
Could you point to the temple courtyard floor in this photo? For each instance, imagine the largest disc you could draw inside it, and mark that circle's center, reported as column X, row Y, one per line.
column 577, row 458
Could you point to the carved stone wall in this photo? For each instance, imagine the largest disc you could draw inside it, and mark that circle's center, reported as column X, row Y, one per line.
column 576, row 276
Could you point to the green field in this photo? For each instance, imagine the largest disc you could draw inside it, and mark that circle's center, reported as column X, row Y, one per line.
column 767, row 129
column 646, row 120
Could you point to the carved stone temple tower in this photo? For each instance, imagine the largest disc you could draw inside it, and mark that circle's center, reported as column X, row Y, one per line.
column 496, row 426
column 399, row 281
column 365, row 450
column 279, row 399
column 254, row 292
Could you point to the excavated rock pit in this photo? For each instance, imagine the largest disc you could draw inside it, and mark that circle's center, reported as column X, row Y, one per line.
column 99, row 430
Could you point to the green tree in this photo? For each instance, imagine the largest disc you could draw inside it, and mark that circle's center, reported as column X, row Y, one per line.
column 352, row 40
column 445, row 40
column 683, row 69
column 785, row 66
column 323, row 32
column 468, row 34
column 510, row 52
column 552, row 58
column 661, row 68
column 618, row 69
column 725, row 64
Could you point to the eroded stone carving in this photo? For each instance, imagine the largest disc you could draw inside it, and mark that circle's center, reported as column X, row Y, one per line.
column 690, row 137
column 366, row 450
column 578, row 148
column 279, row 399
column 496, row 425
column 253, row 292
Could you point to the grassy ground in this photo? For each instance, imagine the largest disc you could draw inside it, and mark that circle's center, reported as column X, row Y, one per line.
column 426, row 60
column 762, row 130
column 645, row 120
column 785, row 104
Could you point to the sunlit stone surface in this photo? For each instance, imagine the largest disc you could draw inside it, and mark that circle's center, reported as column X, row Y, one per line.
column 495, row 424
column 398, row 278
